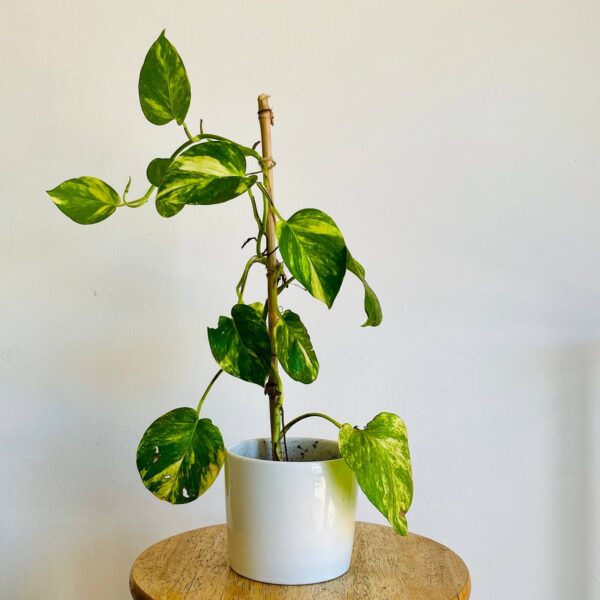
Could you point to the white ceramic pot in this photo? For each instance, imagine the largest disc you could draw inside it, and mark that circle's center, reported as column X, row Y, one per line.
column 289, row 522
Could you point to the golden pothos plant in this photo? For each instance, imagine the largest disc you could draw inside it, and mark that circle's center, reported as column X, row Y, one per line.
column 181, row 454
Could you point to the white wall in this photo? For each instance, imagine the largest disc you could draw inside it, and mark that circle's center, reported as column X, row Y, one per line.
column 456, row 144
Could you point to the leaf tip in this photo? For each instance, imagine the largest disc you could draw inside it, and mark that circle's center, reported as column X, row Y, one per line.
column 369, row 323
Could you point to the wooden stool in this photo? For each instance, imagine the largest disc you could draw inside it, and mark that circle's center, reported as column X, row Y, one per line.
column 194, row 566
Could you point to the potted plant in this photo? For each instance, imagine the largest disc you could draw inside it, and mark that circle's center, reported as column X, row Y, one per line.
column 290, row 501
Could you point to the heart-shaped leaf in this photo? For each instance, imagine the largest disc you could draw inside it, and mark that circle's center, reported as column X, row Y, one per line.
column 155, row 172
column 208, row 173
column 241, row 344
column 180, row 456
column 294, row 348
column 86, row 200
column 380, row 459
column 372, row 306
column 313, row 249
column 164, row 87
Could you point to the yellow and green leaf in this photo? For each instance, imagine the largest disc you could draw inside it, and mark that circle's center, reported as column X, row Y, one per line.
column 164, row 87
column 207, row 173
column 259, row 307
column 380, row 459
column 180, row 456
column 241, row 344
column 294, row 348
column 372, row 306
column 313, row 249
column 85, row 200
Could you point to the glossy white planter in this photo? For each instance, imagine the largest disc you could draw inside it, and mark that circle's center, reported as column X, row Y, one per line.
column 289, row 522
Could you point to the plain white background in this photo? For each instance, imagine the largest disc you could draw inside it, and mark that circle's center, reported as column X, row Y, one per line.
column 457, row 146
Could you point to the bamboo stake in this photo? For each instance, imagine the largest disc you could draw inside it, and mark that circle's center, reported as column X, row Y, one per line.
column 273, row 387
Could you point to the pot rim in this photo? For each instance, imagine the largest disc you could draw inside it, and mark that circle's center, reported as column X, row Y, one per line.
column 277, row 464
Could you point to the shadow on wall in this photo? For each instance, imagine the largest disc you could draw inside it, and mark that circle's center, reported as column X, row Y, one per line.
column 576, row 486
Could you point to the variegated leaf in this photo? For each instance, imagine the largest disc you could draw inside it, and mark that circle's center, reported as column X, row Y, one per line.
column 85, row 200
column 208, row 173
column 313, row 249
column 168, row 207
column 241, row 344
column 164, row 87
column 180, row 456
column 372, row 306
column 380, row 459
column 294, row 348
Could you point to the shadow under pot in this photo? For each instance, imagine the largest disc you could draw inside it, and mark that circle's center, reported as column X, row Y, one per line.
column 289, row 522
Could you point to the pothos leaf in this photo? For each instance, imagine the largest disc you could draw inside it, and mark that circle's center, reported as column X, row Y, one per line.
column 180, row 456
column 241, row 344
column 313, row 249
column 294, row 348
column 164, row 87
column 155, row 172
column 207, row 173
column 85, row 200
column 380, row 459
column 259, row 308
column 167, row 207
column 372, row 306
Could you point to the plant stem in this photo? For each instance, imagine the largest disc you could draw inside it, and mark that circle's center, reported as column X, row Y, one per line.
column 138, row 201
column 273, row 387
column 284, row 285
column 265, row 191
column 212, row 381
column 187, row 132
column 241, row 286
column 218, row 138
column 259, row 223
column 305, row 416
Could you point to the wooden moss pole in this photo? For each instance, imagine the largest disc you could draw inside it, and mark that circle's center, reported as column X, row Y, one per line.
column 273, row 387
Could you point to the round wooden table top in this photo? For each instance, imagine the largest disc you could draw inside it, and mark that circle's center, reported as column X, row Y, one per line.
column 194, row 565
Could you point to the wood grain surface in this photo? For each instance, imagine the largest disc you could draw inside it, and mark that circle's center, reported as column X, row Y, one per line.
column 194, row 566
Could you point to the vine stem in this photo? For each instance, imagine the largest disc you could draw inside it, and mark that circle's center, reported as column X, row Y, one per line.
column 139, row 201
column 208, row 387
column 285, row 284
column 216, row 138
column 305, row 416
column 187, row 132
column 259, row 223
column 265, row 191
column 241, row 286
column 273, row 387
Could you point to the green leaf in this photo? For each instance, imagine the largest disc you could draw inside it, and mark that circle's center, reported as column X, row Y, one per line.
column 86, row 200
column 155, row 172
column 372, row 306
column 294, row 348
column 208, row 173
column 314, row 251
column 168, row 207
column 164, row 87
column 380, row 459
column 241, row 344
column 180, row 456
